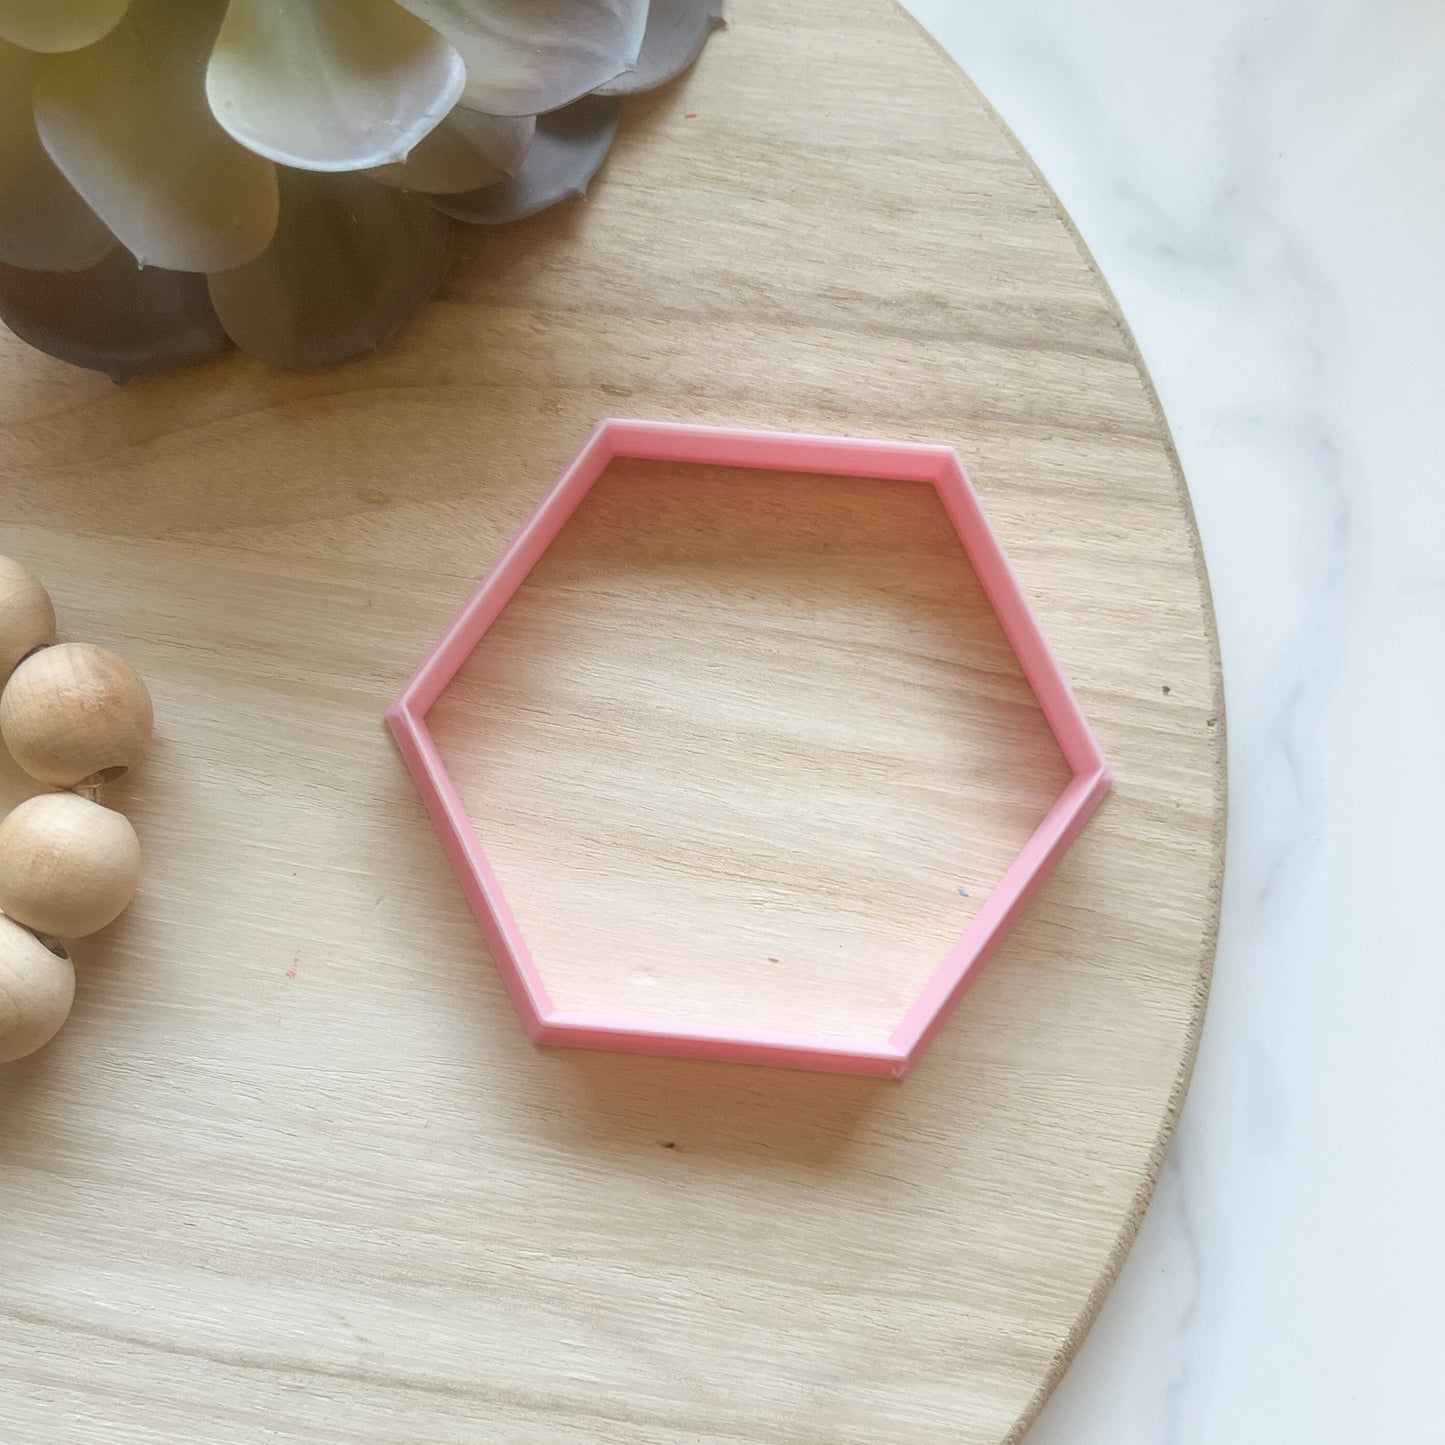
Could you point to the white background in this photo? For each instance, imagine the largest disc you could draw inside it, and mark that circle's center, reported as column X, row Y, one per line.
column 1263, row 185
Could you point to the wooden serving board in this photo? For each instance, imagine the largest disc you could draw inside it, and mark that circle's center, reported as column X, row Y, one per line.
column 292, row 1172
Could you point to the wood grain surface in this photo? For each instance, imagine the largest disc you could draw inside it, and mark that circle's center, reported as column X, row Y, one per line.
column 292, row 1172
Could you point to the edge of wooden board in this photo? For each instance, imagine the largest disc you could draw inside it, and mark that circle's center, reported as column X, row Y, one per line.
column 1124, row 1241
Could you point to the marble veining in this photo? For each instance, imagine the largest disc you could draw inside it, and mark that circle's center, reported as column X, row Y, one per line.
column 1261, row 185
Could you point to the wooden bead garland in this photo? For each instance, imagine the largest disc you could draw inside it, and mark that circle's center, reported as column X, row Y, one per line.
column 37, row 988
column 75, row 716
column 68, row 867
column 27, row 618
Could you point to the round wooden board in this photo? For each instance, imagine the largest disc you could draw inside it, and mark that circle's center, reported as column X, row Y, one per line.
column 292, row 1171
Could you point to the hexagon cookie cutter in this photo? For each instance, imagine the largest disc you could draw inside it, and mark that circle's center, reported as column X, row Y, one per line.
column 938, row 466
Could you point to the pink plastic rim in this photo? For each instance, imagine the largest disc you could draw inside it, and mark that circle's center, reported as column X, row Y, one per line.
column 775, row 451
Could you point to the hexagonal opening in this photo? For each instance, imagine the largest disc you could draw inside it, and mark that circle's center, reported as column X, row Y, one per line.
column 744, row 762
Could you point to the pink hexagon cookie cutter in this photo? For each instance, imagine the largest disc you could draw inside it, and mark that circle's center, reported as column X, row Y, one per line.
column 774, row 451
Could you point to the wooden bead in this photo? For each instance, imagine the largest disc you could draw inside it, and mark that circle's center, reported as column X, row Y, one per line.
column 76, row 714
column 67, row 866
column 37, row 988
column 27, row 618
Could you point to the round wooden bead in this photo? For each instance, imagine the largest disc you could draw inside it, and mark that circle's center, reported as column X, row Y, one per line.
column 76, row 714
column 67, row 866
column 37, row 988
column 27, row 618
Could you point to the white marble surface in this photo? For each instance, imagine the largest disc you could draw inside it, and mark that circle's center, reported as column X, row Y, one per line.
column 1263, row 185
